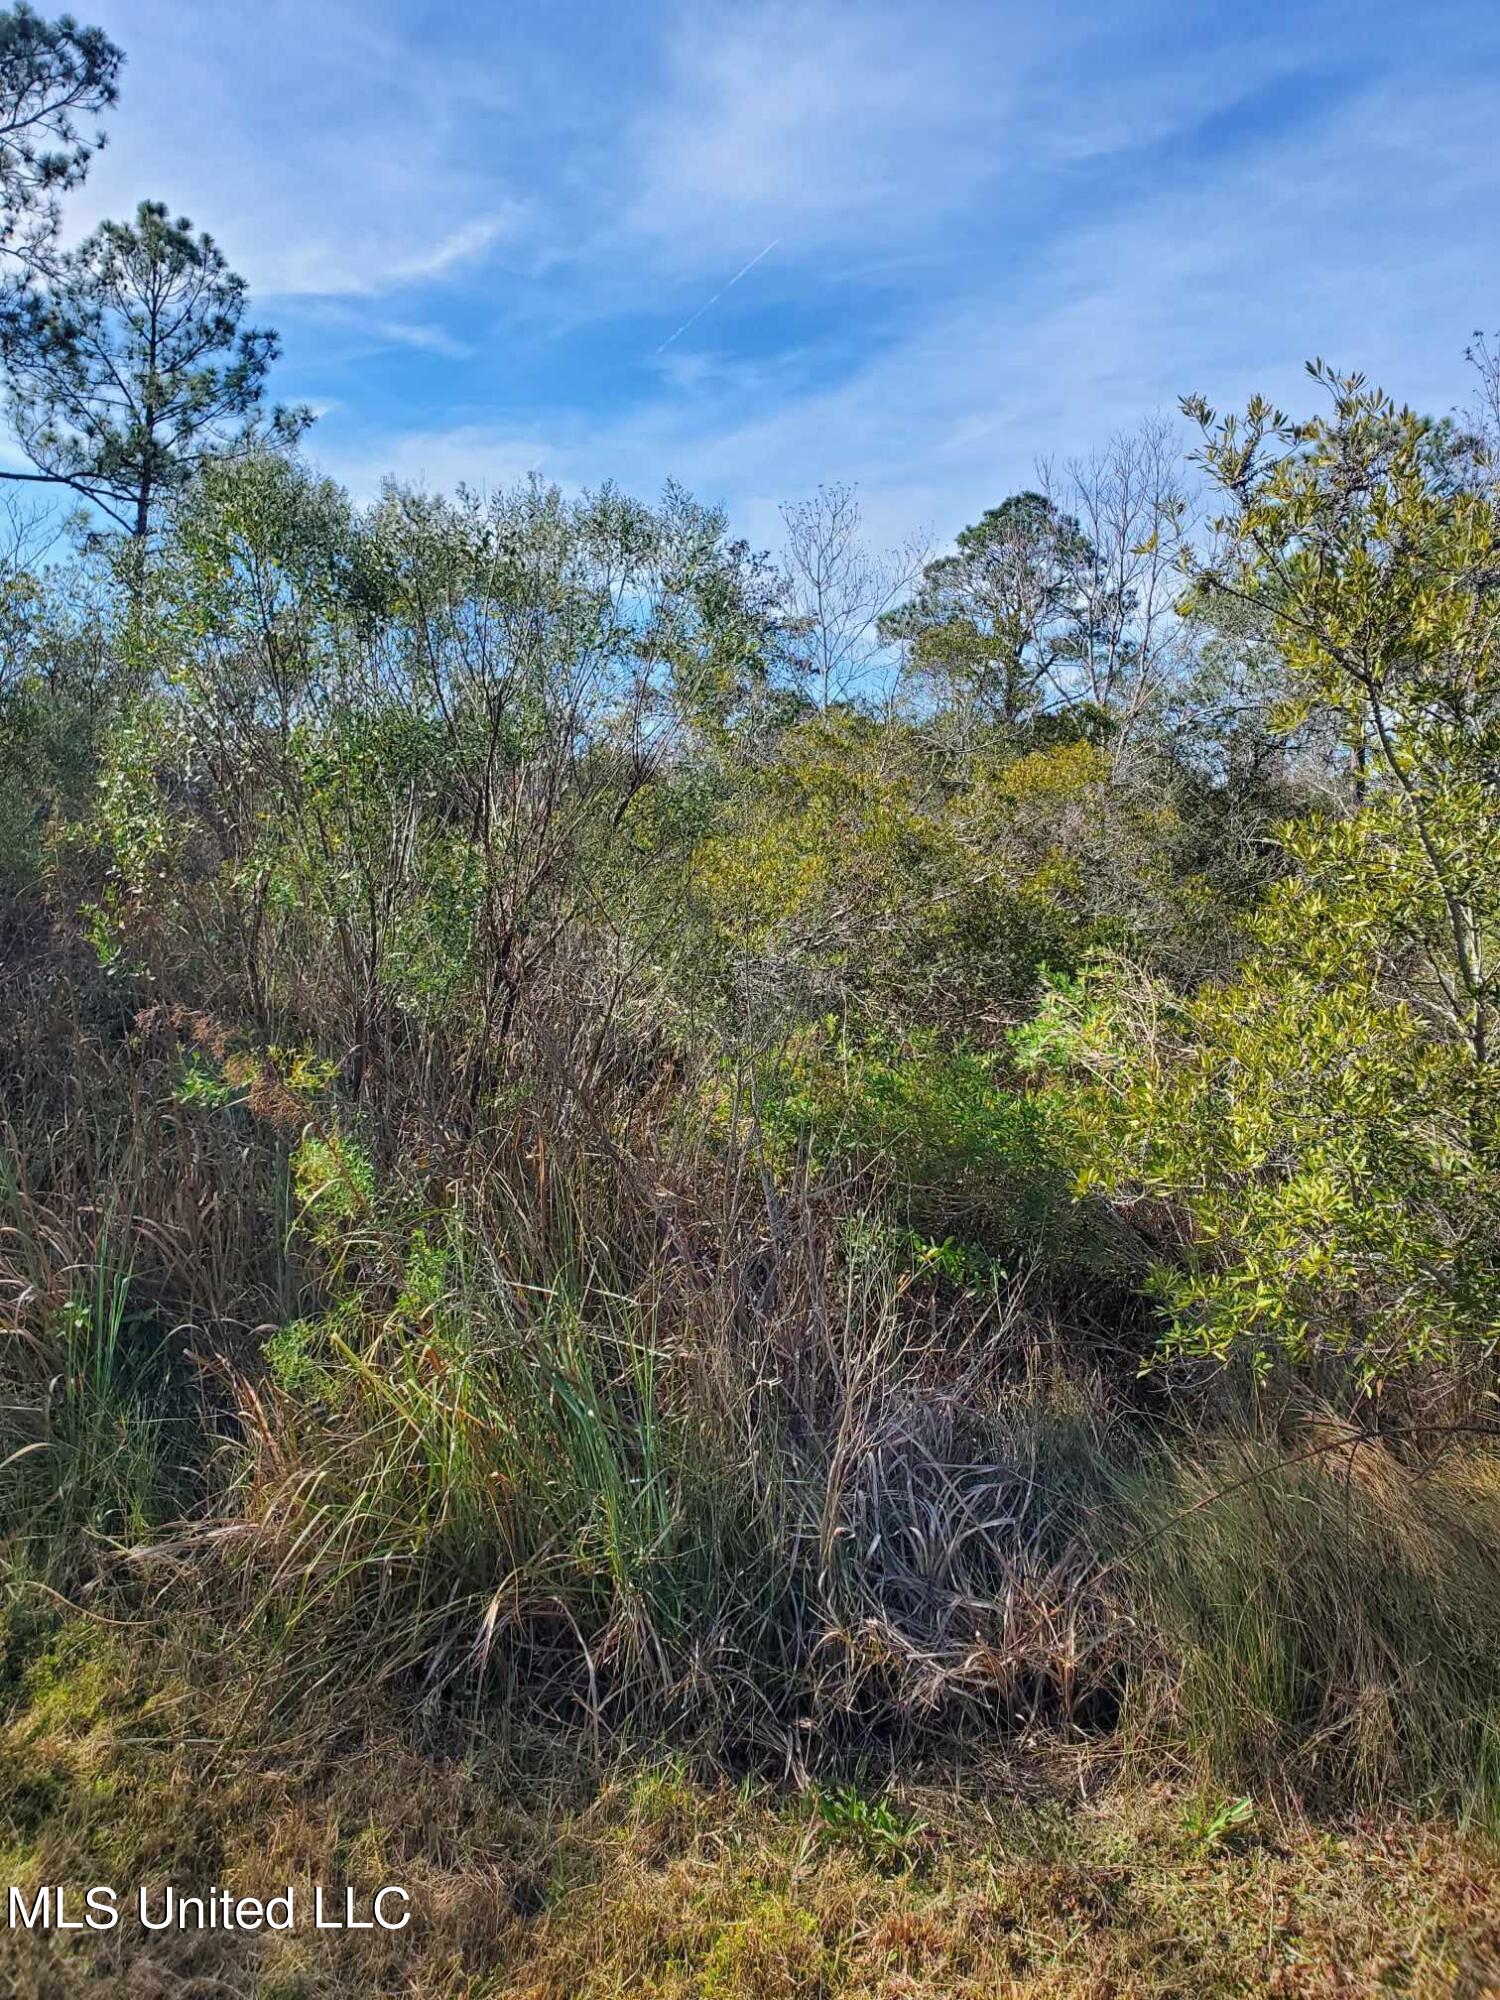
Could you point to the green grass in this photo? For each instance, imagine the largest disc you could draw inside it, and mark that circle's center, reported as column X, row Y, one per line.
column 1326, row 1617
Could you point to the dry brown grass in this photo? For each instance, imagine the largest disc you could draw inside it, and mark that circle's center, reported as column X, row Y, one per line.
column 642, row 1881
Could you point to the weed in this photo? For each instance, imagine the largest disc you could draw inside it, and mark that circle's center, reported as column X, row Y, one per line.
column 876, row 1828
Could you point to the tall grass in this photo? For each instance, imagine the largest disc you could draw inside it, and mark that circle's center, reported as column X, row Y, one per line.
column 1325, row 1615
column 571, row 1417
column 673, row 1494
column 84, row 1407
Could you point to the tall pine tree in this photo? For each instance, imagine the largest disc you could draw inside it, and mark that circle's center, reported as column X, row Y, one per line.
column 52, row 73
column 132, row 367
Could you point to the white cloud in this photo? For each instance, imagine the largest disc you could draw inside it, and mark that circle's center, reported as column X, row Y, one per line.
column 426, row 339
column 351, row 263
column 329, row 149
column 459, row 246
column 807, row 120
column 1354, row 238
column 876, row 128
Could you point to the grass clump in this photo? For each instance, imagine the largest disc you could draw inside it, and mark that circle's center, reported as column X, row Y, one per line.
column 1327, row 1616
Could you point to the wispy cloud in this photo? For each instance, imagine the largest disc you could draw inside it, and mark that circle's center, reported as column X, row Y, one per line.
column 426, row 339
column 460, row 246
column 331, row 146
column 500, row 243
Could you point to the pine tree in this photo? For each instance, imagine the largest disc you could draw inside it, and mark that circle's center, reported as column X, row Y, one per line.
column 132, row 368
column 51, row 74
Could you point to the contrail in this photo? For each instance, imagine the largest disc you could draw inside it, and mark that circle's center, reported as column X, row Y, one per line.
column 720, row 293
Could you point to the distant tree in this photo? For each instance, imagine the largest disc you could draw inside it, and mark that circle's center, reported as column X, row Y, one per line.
column 131, row 368
column 62, row 685
column 715, row 642
column 1479, row 436
column 988, row 625
column 1122, row 643
column 840, row 590
column 51, row 74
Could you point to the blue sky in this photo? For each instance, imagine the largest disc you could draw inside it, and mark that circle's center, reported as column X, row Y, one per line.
column 999, row 232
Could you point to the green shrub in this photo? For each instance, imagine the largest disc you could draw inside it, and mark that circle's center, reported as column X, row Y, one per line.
column 943, row 1128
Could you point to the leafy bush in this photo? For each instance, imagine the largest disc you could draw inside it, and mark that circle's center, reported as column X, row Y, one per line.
column 945, row 1128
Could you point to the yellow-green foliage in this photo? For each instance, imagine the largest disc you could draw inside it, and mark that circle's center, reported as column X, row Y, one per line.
column 947, row 1127
column 1327, row 1122
column 1373, row 567
column 1334, row 1162
column 858, row 867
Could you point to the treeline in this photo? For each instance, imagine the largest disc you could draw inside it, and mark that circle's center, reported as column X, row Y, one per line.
column 1180, row 840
